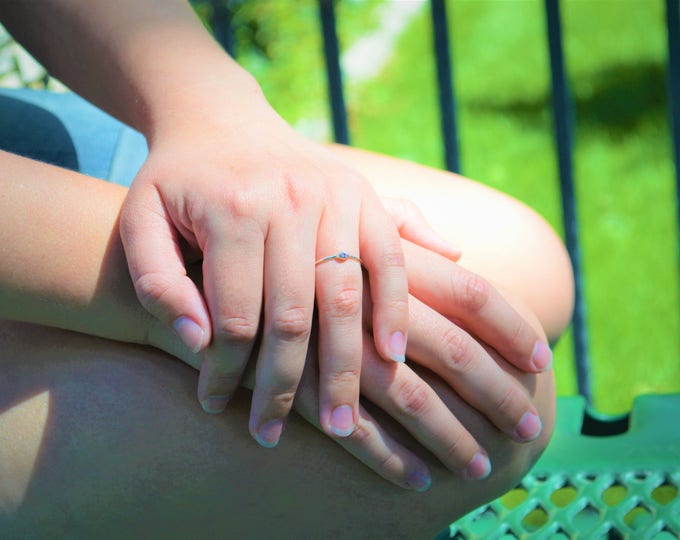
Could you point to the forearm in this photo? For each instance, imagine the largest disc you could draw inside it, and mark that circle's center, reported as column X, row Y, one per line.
column 141, row 60
column 62, row 262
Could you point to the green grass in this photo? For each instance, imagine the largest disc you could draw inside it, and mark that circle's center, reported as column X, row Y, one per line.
column 615, row 52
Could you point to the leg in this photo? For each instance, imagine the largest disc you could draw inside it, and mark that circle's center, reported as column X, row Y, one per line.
column 501, row 239
column 100, row 439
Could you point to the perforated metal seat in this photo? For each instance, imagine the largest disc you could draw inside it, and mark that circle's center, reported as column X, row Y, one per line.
column 606, row 486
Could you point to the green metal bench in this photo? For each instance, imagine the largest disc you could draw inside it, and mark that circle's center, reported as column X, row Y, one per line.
column 593, row 486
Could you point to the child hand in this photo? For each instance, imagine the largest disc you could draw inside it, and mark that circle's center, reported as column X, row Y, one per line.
column 262, row 205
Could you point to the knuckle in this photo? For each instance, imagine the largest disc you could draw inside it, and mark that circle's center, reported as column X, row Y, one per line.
column 413, row 398
column 458, row 346
column 281, row 402
column 293, row 324
column 346, row 304
column 294, row 191
column 389, row 464
column 280, row 379
column 223, row 379
column 151, row 288
column 345, row 377
column 506, row 401
column 518, row 335
column 395, row 305
column 455, row 449
column 360, row 435
column 474, row 293
column 392, row 256
column 237, row 329
column 240, row 204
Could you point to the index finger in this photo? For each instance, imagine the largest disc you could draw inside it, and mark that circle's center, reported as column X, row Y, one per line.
column 472, row 302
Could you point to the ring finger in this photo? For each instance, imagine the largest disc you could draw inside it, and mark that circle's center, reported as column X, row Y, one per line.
column 339, row 297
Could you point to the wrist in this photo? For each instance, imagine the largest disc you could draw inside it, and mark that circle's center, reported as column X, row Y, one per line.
column 217, row 91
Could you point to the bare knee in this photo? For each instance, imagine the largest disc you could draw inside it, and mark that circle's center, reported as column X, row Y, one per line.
column 501, row 239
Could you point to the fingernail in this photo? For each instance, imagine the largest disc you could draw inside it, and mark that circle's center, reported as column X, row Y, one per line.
column 342, row 421
column 479, row 467
column 529, row 427
column 214, row 404
column 397, row 346
column 269, row 433
column 542, row 357
column 190, row 333
column 419, row 481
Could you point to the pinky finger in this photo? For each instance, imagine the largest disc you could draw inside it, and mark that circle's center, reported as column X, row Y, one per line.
column 371, row 445
column 375, row 449
column 413, row 227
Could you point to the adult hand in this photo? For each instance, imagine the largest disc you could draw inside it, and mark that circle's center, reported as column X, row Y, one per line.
column 261, row 205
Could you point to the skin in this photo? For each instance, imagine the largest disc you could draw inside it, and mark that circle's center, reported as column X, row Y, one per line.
column 206, row 189
column 116, row 422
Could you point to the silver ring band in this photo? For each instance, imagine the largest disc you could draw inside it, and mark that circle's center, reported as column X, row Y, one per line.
column 340, row 257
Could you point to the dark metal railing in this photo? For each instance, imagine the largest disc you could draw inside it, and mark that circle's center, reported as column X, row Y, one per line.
column 673, row 81
column 333, row 72
column 447, row 103
column 563, row 117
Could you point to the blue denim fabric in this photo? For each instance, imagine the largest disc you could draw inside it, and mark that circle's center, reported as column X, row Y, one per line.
column 66, row 130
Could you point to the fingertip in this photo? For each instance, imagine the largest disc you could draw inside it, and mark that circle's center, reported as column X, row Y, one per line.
column 269, row 433
column 479, row 467
column 214, row 404
column 542, row 357
column 396, row 347
column 453, row 254
column 529, row 427
column 190, row 332
column 418, row 480
column 341, row 421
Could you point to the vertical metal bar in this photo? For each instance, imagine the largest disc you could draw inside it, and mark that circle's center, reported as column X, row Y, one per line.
column 564, row 121
column 673, row 32
column 447, row 103
column 221, row 25
column 333, row 72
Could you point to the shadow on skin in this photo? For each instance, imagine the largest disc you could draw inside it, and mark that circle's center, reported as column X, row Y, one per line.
column 123, row 448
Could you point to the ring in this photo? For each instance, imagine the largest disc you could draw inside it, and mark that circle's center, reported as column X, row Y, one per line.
column 340, row 257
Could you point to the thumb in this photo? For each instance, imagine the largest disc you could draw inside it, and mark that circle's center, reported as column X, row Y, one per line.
column 157, row 268
column 413, row 227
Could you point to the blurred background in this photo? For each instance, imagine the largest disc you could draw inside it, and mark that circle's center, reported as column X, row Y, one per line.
column 615, row 52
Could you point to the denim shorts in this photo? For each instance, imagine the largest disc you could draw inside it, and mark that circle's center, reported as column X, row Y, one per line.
column 65, row 130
